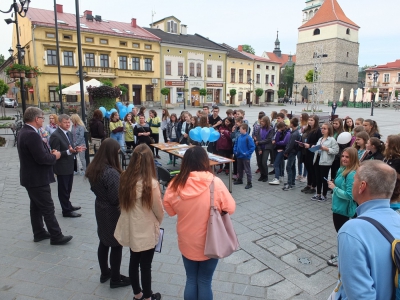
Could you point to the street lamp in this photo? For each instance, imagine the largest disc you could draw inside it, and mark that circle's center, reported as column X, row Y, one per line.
column 20, row 9
column 11, row 51
column 374, row 78
column 296, row 85
column 250, row 82
column 184, row 78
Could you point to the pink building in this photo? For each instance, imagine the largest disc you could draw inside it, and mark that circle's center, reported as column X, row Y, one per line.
column 387, row 80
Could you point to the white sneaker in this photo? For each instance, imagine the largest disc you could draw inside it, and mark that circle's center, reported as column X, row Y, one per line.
column 303, row 179
column 275, row 181
column 299, row 177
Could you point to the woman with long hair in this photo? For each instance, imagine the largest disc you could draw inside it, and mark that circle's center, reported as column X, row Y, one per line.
column 375, row 149
column 264, row 146
column 323, row 160
column 164, row 123
column 96, row 126
column 188, row 197
column 104, row 175
column 371, row 127
column 78, row 136
column 361, row 143
column 142, row 132
column 302, row 177
column 154, row 123
column 185, row 128
column 224, row 143
column 392, row 158
column 203, row 122
column 117, row 129
column 274, row 116
column 141, row 215
column 359, row 122
column 129, row 124
column 193, row 124
column 173, row 133
column 343, row 205
column 310, row 138
column 356, row 131
column 348, row 125
column 52, row 126
column 142, row 112
column 337, row 130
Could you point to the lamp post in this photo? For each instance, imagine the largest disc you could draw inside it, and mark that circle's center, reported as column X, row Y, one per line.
column 296, row 85
column 250, row 82
column 374, row 77
column 184, row 78
column 19, row 10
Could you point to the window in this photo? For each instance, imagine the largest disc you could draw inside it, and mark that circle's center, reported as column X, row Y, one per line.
column 52, row 94
column 167, row 68
column 347, row 54
column 240, row 96
column 68, row 58
column 103, row 41
column 67, row 37
column 317, row 31
column 148, row 47
column 258, row 78
column 147, row 64
column 89, row 58
column 123, row 44
column 191, row 69
column 347, row 74
column 266, row 67
column 398, row 77
column 240, row 75
column 180, row 68
column 219, row 71
column 50, row 35
column 273, row 79
column 348, row 31
column 248, row 75
column 149, row 93
column 198, row 70
column 89, row 40
column 135, row 45
column 209, row 70
column 51, row 57
column 273, row 68
column 258, row 66
column 172, row 27
column 266, row 79
column 104, row 61
column 136, row 63
column 386, row 77
column 123, row 62
column 233, row 75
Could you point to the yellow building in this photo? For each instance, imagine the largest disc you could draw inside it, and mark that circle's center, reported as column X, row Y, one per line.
column 125, row 53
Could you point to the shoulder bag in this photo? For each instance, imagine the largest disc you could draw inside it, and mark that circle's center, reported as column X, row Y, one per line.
column 221, row 239
column 152, row 141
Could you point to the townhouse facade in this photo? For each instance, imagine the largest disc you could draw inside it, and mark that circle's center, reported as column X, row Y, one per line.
column 387, row 81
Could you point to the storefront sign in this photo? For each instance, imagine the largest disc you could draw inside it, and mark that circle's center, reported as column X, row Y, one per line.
column 215, row 85
column 174, row 83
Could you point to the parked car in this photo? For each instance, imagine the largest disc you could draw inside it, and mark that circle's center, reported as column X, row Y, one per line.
column 8, row 102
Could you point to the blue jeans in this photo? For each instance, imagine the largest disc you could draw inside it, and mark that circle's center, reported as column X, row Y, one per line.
column 291, row 169
column 198, row 278
column 119, row 138
column 278, row 164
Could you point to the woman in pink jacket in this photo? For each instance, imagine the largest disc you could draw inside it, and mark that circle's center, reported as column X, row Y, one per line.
column 188, row 197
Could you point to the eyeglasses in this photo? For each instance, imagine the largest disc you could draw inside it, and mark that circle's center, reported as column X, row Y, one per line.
column 41, row 118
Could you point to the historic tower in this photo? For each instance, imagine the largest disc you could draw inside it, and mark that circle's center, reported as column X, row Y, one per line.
column 333, row 37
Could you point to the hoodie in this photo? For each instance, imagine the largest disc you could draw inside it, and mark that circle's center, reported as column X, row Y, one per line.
column 192, row 206
column 244, row 146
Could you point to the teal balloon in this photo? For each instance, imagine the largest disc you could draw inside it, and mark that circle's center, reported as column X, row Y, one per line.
column 214, row 136
column 130, row 106
column 119, row 105
column 103, row 111
column 122, row 112
column 194, row 135
column 198, row 130
column 108, row 114
column 211, row 129
column 113, row 110
column 205, row 134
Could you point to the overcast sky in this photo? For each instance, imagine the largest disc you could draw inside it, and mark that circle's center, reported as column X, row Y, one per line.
column 238, row 22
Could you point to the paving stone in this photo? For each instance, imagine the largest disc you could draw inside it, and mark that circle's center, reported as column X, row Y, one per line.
column 237, row 257
column 266, row 278
column 316, row 264
column 250, row 267
column 283, row 290
column 277, row 245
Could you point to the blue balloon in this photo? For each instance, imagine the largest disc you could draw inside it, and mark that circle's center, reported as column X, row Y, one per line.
column 119, row 105
column 194, row 135
column 214, row 136
column 198, row 130
column 108, row 114
column 123, row 112
column 211, row 130
column 205, row 134
column 130, row 106
column 113, row 110
column 103, row 110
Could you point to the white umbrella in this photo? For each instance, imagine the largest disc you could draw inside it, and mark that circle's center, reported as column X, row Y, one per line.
column 351, row 98
column 75, row 89
column 393, row 95
column 359, row 95
column 377, row 95
column 368, row 97
column 341, row 97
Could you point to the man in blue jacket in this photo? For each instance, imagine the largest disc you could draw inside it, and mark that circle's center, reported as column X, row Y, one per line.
column 366, row 269
column 243, row 148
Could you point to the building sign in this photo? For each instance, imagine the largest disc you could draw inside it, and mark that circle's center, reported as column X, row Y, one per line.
column 174, row 83
column 215, row 85
column 30, row 90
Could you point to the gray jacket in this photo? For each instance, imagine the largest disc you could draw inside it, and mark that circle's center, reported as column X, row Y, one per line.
column 327, row 157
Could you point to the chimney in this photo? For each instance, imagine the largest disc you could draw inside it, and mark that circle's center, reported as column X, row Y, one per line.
column 59, row 8
column 183, row 29
column 240, row 48
column 133, row 23
column 87, row 12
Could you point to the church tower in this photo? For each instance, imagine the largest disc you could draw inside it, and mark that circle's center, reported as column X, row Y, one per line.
column 277, row 50
column 333, row 32
column 311, row 9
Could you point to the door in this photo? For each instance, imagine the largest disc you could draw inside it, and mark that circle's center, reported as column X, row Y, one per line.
column 247, row 98
column 136, row 94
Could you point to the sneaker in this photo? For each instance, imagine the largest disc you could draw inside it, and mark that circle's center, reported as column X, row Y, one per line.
column 333, row 262
column 315, row 197
column 248, row 186
column 286, row 187
column 257, row 171
column 311, row 191
column 261, row 178
column 303, row 179
column 234, row 176
column 219, row 171
column 322, row 199
column 158, row 156
column 305, row 189
column 105, row 277
column 226, row 172
column 124, row 281
column 299, row 177
column 334, row 255
column 156, row 296
column 272, row 172
column 169, row 162
column 239, row 181
column 275, row 181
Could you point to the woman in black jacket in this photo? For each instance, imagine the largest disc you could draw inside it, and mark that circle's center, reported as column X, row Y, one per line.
column 264, row 146
column 142, row 131
column 96, row 126
column 310, row 138
column 375, row 149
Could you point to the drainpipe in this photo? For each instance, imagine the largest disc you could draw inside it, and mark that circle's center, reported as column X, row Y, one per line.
column 35, row 62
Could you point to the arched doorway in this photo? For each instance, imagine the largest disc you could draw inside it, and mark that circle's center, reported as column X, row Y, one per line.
column 269, row 95
column 195, row 96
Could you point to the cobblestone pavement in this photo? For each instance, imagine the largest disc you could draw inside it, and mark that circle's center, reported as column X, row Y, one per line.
column 285, row 241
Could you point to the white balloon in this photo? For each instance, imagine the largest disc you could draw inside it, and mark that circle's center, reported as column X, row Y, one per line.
column 344, row 138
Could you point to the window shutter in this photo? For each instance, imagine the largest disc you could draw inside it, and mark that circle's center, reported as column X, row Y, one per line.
column 175, row 28
column 168, row 26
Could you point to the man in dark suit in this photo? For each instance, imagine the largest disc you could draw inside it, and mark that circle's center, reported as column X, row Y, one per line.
column 36, row 174
column 61, row 140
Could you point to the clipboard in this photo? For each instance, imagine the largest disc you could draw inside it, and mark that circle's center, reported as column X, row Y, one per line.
column 315, row 148
column 160, row 240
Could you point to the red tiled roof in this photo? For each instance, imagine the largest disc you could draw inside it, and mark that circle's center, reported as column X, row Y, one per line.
column 45, row 17
column 283, row 59
column 329, row 11
column 259, row 58
column 390, row 65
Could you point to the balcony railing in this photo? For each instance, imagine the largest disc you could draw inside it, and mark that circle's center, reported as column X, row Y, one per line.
column 99, row 72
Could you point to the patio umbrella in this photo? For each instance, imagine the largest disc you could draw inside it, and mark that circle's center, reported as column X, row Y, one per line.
column 359, row 95
column 377, row 95
column 75, row 89
column 351, row 98
column 341, row 97
column 393, row 95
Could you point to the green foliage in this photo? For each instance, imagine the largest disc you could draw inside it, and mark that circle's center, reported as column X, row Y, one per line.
column 123, row 89
column 17, row 67
column 2, row 59
column 396, row 93
column 362, row 72
column 248, row 49
column 232, row 92
column 63, row 86
column 259, row 92
column 7, row 118
column 281, row 93
column 3, row 87
column 106, row 82
column 203, row 92
column 288, row 77
column 107, row 103
column 310, row 76
column 165, row 91
column 104, row 91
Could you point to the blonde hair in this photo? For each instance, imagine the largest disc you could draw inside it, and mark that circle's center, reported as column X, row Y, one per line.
column 55, row 118
column 76, row 120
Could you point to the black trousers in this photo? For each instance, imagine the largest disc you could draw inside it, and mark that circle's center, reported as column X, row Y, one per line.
column 320, row 173
column 339, row 220
column 227, row 154
column 42, row 208
column 164, row 133
column 130, row 145
column 144, row 260
column 308, row 163
column 334, row 168
column 156, row 138
column 64, row 191
column 115, row 260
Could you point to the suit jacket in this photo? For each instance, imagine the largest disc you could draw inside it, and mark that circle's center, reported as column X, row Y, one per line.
column 60, row 142
column 36, row 161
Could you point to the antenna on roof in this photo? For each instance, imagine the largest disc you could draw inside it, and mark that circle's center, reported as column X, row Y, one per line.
column 152, row 17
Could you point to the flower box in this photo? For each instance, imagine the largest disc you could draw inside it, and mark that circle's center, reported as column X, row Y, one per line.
column 31, row 74
column 350, row 104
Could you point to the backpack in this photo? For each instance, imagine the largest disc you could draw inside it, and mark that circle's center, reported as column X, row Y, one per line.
column 395, row 251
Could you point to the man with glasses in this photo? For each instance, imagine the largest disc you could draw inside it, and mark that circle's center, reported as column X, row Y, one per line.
column 36, row 174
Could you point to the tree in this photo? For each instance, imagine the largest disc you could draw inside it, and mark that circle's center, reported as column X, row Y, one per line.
column 259, row 92
column 3, row 90
column 2, row 59
column 362, row 72
column 232, row 92
column 288, row 77
column 248, row 49
column 203, row 93
column 310, row 76
column 123, row 89
column 281, row 93
column 106, row 82
column 165, row 92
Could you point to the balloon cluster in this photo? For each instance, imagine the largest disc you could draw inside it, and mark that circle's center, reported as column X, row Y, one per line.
column 123, row 110
column 204, row 135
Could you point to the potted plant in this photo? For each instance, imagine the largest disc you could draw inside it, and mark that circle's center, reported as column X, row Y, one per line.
column 16, row 71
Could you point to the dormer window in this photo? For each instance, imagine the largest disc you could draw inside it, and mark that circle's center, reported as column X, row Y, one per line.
column 172, row 27
column 317, row 31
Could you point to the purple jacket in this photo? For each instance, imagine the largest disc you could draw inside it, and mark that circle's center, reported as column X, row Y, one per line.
column 282, row 141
